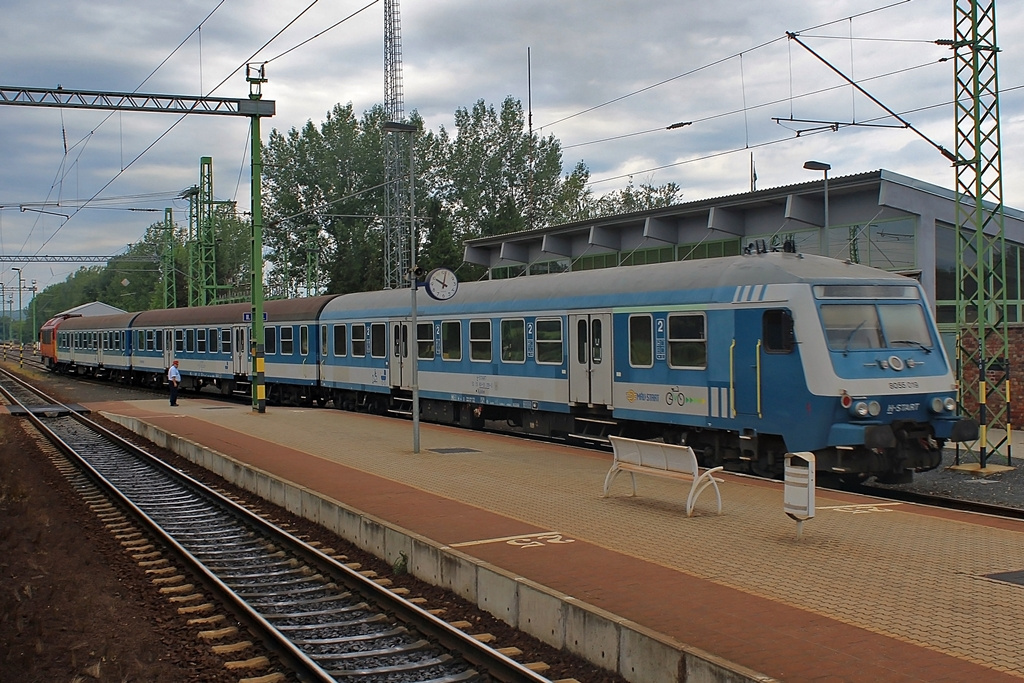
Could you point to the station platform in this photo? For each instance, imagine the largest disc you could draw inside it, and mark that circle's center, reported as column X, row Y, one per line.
column 871, row 591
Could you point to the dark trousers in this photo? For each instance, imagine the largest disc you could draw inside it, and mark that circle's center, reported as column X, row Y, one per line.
column 174, row 393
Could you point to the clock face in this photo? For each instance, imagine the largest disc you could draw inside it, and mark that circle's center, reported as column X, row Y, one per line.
column 442, row 284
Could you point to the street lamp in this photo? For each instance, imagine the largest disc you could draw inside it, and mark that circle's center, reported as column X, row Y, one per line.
column 821, row 166
column 412, row 343
column 21, row 322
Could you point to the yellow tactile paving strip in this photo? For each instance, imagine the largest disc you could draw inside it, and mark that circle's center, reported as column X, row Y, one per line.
column 885, row 568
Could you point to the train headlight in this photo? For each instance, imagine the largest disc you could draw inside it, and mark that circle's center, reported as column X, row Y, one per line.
column 859, row 409
column 949, row 403
column 936, row 404
column 874, row 408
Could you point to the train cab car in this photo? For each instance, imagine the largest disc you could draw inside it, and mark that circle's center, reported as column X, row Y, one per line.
column 98, row 346
column 48, row 340
column 743, row 358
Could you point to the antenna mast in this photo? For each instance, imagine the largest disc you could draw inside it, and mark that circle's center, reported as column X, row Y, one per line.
column 396, row 195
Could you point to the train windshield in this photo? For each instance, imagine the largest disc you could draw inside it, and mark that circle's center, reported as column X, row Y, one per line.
column 851, row 327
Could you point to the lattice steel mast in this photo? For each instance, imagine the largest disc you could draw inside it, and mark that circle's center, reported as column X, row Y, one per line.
column 396, row 195
column 983, row 348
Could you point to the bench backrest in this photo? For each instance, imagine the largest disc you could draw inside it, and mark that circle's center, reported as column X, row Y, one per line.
column 657, row 456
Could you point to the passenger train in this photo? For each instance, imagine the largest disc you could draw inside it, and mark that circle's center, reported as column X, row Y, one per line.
column 742, row 358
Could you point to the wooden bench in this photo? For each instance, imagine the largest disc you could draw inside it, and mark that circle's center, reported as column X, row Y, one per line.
column 661, row 460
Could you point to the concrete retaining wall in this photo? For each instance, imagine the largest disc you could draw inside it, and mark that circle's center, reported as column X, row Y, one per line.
column 604, row 639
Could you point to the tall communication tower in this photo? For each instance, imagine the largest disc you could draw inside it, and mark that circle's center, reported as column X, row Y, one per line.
column 396, row 197
column 983, row 348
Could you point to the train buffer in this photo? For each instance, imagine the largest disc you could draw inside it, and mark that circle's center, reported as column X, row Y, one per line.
column 661, row 460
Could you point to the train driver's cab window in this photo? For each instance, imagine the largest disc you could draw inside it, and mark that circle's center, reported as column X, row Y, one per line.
column 340, row 340
column 287, row 340
column 549, row 341
column 451, row 340
column 513, row 341
column 687, row 341
column 425, row 348
column 849, row 327
column 777, row 331
column 269, row 340
column 641, row 341
column 359, row 339
column 379, row 340
column 480, row 340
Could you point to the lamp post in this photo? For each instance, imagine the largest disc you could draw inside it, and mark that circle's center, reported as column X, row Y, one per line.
column 21, row 322
column 412, row 343
column 35, row 330
column 821, row 166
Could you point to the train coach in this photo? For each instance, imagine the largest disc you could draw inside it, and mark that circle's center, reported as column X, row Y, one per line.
column 743, row 358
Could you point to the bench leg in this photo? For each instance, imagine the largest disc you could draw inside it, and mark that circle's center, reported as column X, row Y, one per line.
column 699, row 484
column 609, row 478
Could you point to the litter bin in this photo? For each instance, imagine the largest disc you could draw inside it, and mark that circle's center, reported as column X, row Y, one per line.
column 798, row 499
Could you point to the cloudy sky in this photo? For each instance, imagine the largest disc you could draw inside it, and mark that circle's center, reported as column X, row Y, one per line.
column 607, row 78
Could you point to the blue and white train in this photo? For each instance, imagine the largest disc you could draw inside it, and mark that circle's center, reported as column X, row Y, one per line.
column 743, row 358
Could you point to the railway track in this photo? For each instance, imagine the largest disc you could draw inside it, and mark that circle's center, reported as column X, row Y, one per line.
column 319, row 619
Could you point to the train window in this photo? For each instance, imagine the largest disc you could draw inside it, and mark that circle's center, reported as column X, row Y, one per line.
column 549, row 341
column 359, row 339
column 95, row 341
column 451, row 340
column 687, row 342
column 340, row 340
column 513, row 341
column 582, row 342
column 597, row 342
column 480, row 340
column 179, row 341
column 201, row 341
column 269, row 340
column 323, row 340
column 303, row 340
column 641, row 341
column 287, row 340
column 401, row 337
column 851, row 326
column 225, row 340
column 777, row 331
column 378, row 340
column 214, row 340
column 159, row 339
column 190, row 341
column 905, row 325
column 425, row 347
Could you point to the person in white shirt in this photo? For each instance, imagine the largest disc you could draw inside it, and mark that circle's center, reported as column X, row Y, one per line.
column 174, row 379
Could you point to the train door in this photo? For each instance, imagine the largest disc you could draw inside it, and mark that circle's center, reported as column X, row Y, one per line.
column 240, row 350
column 745, row 355
column 590, row 363
column 168, row 346
column 401, row 364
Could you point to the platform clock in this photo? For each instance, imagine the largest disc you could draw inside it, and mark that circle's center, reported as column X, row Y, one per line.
column 441, row 284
